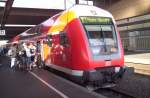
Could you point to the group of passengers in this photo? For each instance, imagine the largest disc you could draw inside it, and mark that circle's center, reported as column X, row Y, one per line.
column 23, row 55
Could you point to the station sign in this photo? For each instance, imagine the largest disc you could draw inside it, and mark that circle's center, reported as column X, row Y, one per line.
column 2, row 32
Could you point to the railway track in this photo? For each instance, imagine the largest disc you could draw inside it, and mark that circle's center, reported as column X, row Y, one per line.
column 111, row 93
column 107, row 92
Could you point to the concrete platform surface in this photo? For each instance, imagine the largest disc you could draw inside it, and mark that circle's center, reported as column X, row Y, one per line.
column 39, row 84
column 143, row 58
column 140, row 68
column 140, row 62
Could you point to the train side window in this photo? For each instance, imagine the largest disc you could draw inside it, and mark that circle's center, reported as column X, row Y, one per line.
column 49, row 40
column 63, row 39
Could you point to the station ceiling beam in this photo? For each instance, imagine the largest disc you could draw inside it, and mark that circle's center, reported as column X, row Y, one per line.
column 7, row 9
column 77, row 1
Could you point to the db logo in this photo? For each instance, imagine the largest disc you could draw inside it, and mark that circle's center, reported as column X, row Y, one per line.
column 108, row 63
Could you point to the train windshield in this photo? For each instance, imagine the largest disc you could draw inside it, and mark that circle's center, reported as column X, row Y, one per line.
column 101, row 35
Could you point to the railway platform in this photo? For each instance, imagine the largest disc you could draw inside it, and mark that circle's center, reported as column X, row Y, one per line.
column 140, row 61
column 38, row 83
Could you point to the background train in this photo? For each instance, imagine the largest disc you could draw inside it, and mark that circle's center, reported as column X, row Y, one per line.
column 82, row 42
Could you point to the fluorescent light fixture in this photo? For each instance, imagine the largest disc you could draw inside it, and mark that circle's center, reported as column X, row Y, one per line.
column 3, row 42
column 16, row 25
column 2, row 4
column 43, row 4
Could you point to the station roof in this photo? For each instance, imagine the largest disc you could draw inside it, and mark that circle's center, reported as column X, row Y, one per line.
column 17, row 19
column 21, row 19
column 17, row 16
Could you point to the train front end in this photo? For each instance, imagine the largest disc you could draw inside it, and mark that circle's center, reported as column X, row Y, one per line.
column 102, row 57
column 106, row 59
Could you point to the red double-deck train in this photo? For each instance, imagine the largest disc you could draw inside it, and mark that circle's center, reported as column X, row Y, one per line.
column 82, row 42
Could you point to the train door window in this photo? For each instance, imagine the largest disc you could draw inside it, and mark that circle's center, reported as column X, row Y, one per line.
column 63, row 39
column 38, row 47
column 49, row 40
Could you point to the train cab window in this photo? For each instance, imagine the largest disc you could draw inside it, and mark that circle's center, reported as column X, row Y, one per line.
column 101, row 35
column 109, row 34
column 63, row 39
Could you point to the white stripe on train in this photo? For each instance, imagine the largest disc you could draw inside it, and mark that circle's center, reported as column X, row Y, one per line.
column 66, row 70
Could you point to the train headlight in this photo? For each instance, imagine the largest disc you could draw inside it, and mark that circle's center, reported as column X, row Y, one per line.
column 113, row 49
column 98, row 49
column 117, row 69
column 95, row 51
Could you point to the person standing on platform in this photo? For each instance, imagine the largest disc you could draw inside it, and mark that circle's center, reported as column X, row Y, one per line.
column 13, row 53
column 21, row 56
column 38, row 55
column 28, row 54
column 33, row 52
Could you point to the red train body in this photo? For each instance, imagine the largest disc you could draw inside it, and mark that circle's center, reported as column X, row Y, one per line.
column 81, row 41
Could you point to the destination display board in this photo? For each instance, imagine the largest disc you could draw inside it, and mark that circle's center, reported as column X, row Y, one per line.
column 96, row 20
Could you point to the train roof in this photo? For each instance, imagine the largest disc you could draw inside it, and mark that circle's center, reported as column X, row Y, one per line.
column 82, row 10
column 88, row 10
column 73, row 12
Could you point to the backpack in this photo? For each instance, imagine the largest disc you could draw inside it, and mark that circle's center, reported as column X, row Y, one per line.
column 31, row 51
column 24, row 53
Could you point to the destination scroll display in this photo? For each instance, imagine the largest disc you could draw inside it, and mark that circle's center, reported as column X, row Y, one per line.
column 96, row 20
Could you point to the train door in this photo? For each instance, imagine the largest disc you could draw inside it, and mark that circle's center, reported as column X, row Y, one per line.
column 55, row 51
column 46, row 50
column 39, row 61
column 60, row 52
column 66, row 49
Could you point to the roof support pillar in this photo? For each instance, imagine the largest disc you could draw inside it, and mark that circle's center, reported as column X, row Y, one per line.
column 77, row 1
column 7, row 9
